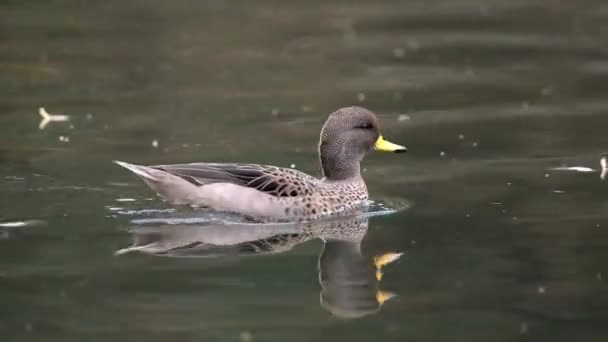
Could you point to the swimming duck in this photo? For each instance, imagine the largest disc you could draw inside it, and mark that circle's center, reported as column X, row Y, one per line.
column 273, row 194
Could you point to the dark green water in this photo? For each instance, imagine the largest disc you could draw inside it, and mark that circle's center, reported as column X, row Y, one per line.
column 487, row 95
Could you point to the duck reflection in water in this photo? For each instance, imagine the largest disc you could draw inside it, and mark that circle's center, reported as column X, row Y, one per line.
column 350, row 283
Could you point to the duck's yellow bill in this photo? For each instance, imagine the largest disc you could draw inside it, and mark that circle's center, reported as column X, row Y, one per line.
column 387, row 146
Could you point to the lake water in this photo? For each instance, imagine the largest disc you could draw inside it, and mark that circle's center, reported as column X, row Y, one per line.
column 489, row 97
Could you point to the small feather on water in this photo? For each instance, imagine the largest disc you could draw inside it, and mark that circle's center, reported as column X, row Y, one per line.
column 47, row 118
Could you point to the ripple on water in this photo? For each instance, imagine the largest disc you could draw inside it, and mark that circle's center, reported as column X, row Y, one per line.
column 171, row 216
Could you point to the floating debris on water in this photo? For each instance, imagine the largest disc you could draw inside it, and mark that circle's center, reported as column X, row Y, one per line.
column 19, row 224
column 475, row 144
column 573, row 168
column 541, row 290
column 64, row 138
column 125, row 200
column 47, row 118
column 293, row 166
column 460, row 136
column 155, row 143
column 559, row 191
column 604, row 165
column 442, row 154
column 403, row 117
column 361, row 97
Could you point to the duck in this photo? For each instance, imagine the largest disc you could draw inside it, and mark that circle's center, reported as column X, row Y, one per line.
column 266, row 193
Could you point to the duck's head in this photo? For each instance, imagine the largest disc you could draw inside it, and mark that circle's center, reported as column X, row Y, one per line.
column 347, row 135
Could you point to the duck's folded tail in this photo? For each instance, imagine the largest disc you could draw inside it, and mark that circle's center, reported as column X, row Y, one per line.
column 142, row 171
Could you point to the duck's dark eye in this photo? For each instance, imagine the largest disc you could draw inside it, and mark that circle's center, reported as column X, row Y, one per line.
column 365, row 125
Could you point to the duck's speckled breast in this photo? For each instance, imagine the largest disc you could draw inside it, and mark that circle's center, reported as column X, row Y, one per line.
column 329, row 199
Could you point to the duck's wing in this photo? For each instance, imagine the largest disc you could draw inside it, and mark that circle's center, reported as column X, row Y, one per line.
column 272, row 180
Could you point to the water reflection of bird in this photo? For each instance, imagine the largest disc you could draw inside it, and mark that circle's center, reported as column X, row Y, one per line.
column 349, row 282
column 272, row 194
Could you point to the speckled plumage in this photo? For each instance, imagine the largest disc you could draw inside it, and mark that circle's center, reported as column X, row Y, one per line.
column 273, row 194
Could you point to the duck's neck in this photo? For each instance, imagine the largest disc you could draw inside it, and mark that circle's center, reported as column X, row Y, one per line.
column 338, row 164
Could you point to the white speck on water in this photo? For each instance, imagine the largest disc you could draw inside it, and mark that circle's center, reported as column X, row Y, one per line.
column 246, row 336
column 89, row 116
column 306, row 109
column 442, row 154
column 547, row 175
column 275, row 112
column 598, row 276
column 474, row 144
column 508, row 183
column 28, row 327
column 523, row 328
column 399, row 52
column 541, row 290
column 125, row 200
column 525, row 105
column 185, row 145
column 48, row 118
column 106, row 126
column 293, row 166
column 72, row 126
column 546, row 91
column 572, row 168
column 403, row 117
column 413, row 242
column 361, row 97
column 64, row 139
column 558, row 191
column 18, row 224
column 597, row 225
column 514, row 218
column 364, row 169
column 604, row 165
column 495, row 203
column 468, row 215
column 461, row 136
column 155, row 143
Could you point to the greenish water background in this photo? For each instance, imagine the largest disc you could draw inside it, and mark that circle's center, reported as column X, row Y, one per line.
column 487, row 95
